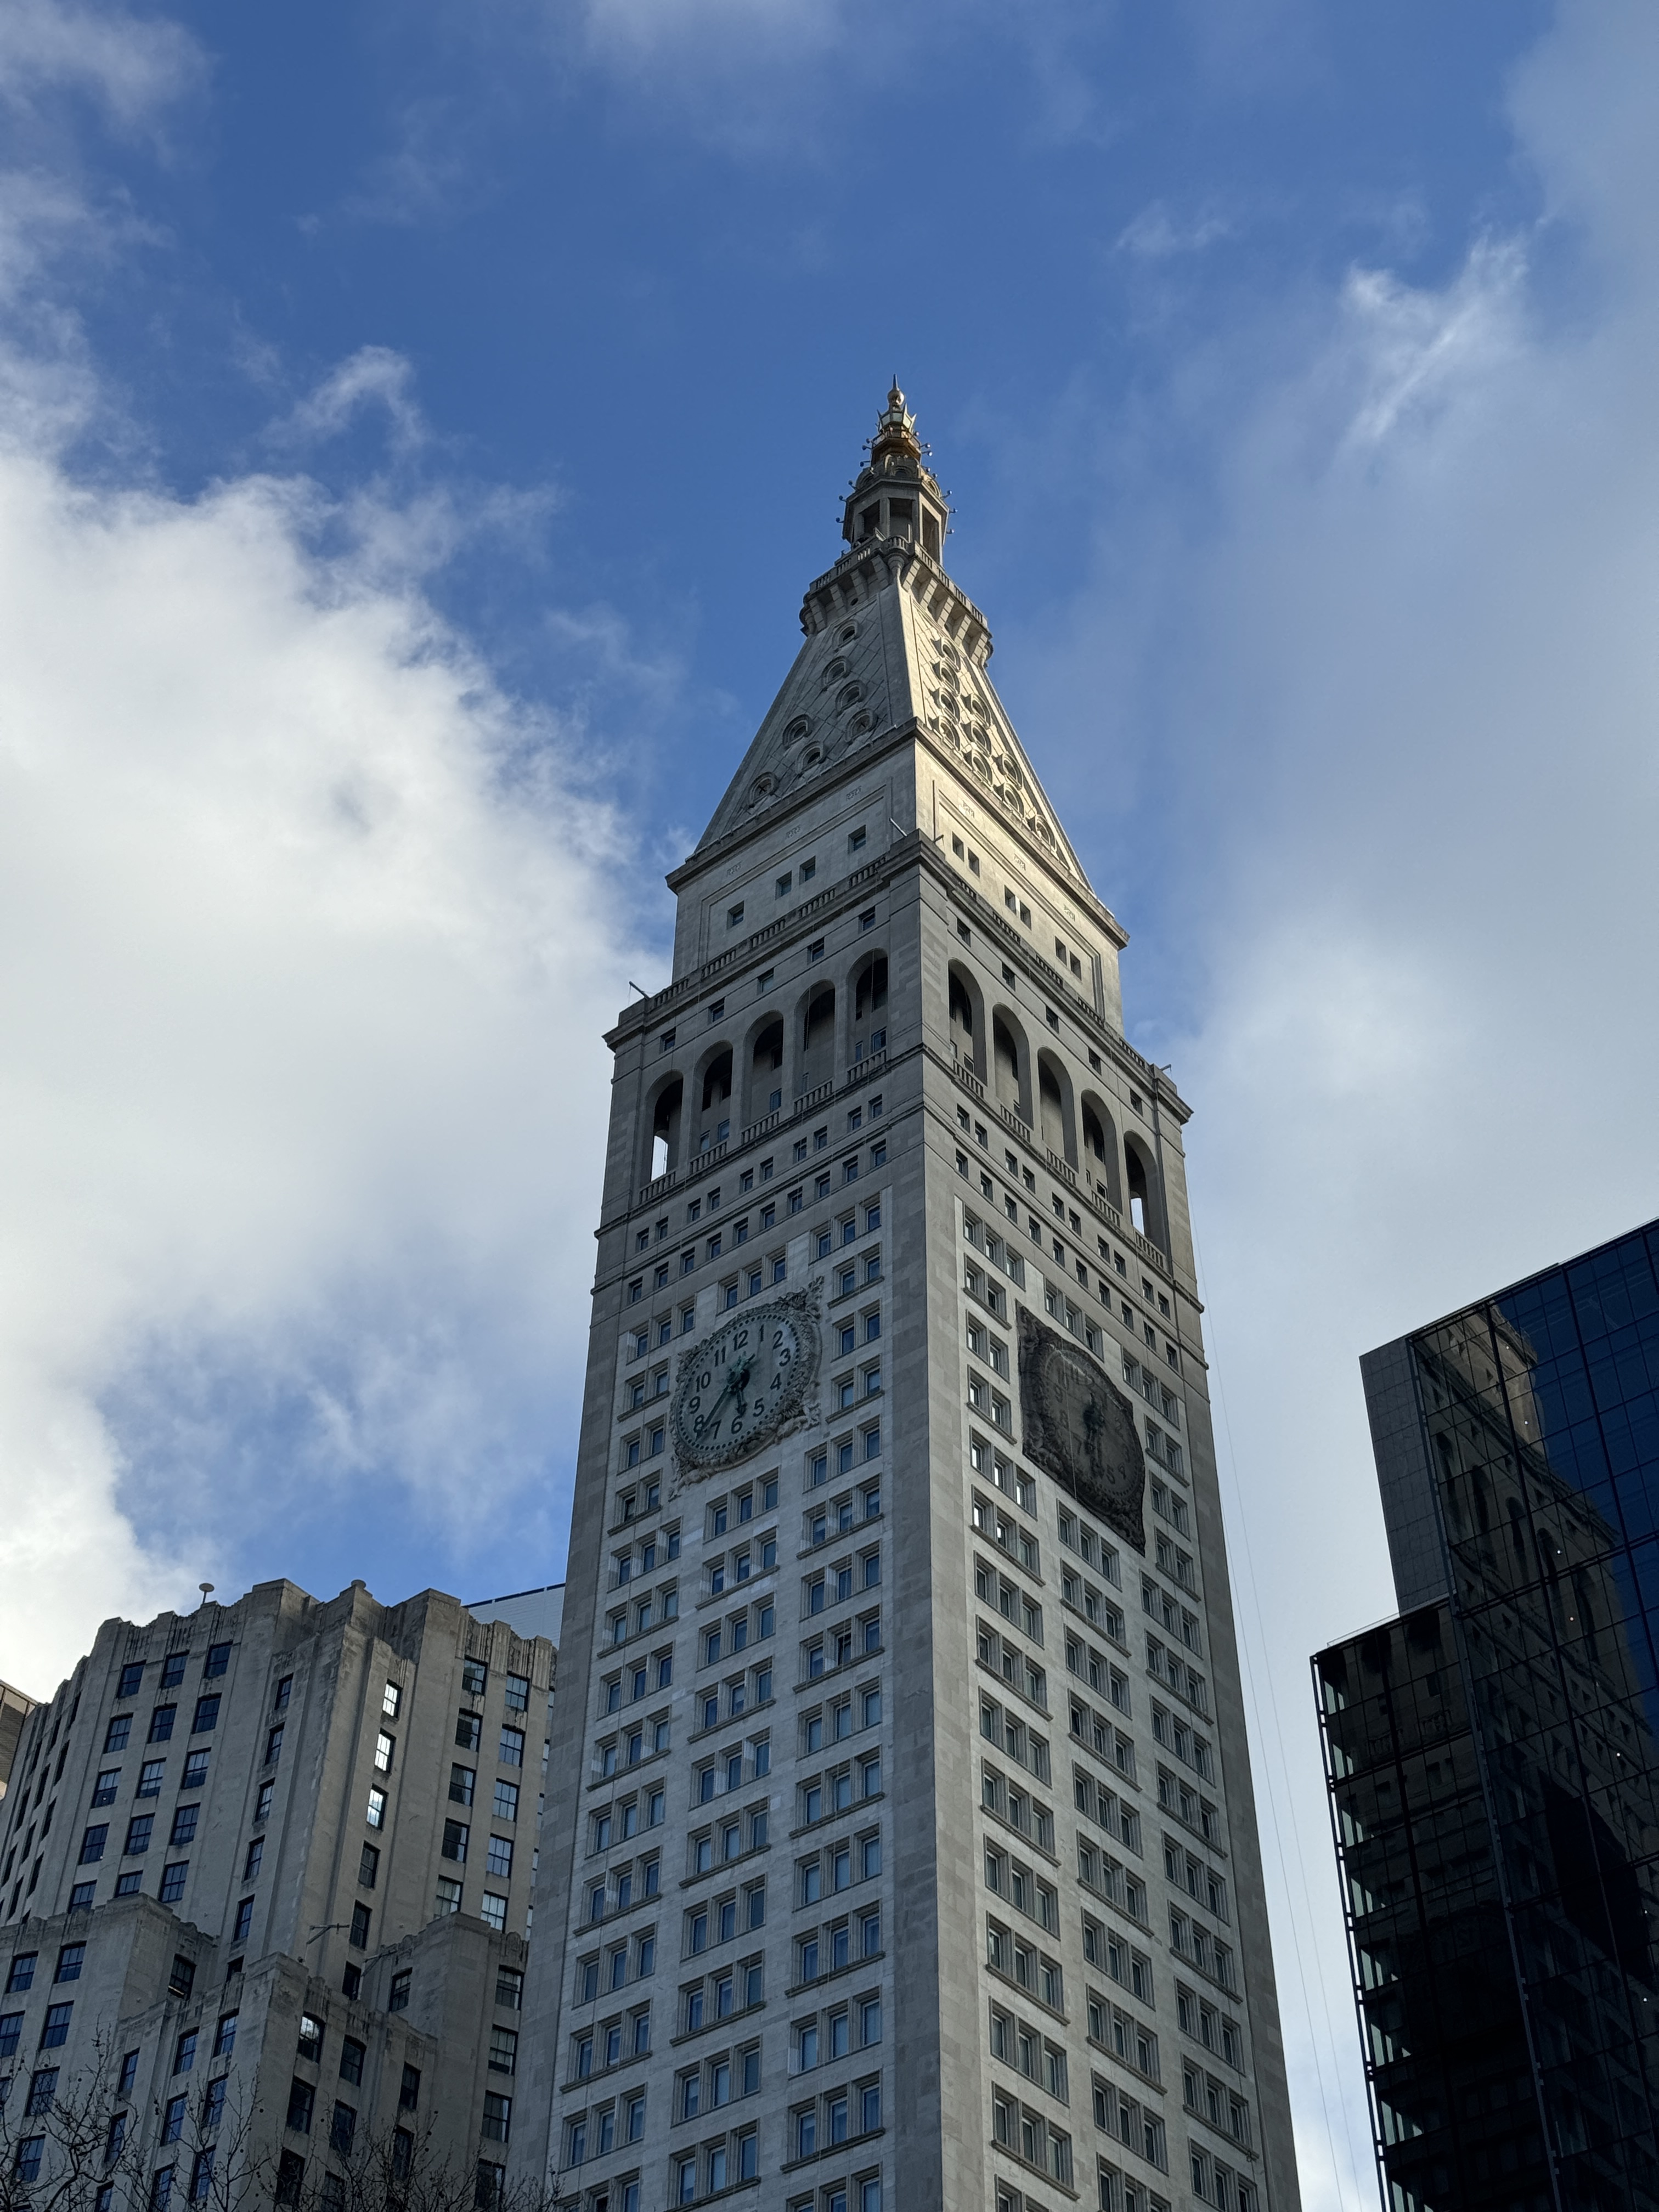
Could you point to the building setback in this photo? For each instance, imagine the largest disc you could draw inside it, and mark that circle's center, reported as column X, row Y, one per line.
column 1491, row 1754
column 15, row 1709
column 264, row 1890
column 909, row 1857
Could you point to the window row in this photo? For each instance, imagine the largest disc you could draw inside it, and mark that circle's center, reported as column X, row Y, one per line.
column 634, row 1959
column 1013, row 1666
column 1091, row 1546
column 721, row 1995
column 731, row 1769
column 1134, row 2124
column 1182, row 1678
column 642, row 1680
column 722, row 1919
column 1012, row 1736
column 715, row 2166
column 990, row 1520
column 612, row 1754
column 1113, row 1953
column 646, row 1556
column 824, row 2037
column 1031, row 2137
column 215, row 1661
column 1191, row 1940
column 1018, row 2044
column 837, row 1867
column 835, row 1946
column 1097, row 1733
column 1106, row 1808
column 658, row 1609
column 1025, row 1965
column 724, row 1639
column 621, row 1888
column 1121, row 2033
column 1218, row 2032
column 821, row 1797
column 713, row 2082
column 841, row 1647
column 841, row 1718
column 1216, row 2183
column 1095, row 1668
column 1018, row 1807
column 162, row 1720
column 1107, row 1877
column 152, row 1774
column 837, row 2117
column 1218, row 2102
column 1169, row 1505
column 734, row 1838
column 840, row 1514
column 994, row 1465
column 731, row 1569
column 600, row 2132
column 1175, row 1735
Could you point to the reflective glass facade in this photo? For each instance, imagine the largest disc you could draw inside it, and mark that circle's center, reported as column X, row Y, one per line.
column 1491, row 1754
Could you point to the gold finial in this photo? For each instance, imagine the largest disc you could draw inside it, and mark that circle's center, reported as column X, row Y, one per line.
column 896, row 429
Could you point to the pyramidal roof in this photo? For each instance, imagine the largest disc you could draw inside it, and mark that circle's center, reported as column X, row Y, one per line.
column 891, row 645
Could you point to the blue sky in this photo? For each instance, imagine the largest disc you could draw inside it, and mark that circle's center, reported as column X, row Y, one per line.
column 417, row 427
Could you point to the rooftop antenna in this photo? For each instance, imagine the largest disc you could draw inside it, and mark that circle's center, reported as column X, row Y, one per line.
column 206, row 1589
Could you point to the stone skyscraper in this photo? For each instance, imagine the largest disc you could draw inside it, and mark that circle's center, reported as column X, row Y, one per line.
column 909, row 1855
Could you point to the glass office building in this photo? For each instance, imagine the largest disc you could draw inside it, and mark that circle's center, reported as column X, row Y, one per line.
column 1491, row 1754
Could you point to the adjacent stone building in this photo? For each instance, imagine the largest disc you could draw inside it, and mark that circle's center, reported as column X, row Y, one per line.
column 909, row 1857
column 264, row 1894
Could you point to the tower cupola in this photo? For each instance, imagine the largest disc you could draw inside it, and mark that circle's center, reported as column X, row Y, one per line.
column 897, row 495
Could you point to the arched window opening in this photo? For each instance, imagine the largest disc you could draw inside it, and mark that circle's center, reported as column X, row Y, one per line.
column 1145, row 1209
column 1053, row 1115
column 716, row 1118
column 665, row 1128
column 817, row 1040
column 967, row 1022
column 1009, row 1072
column 1100, row 1153
column 870, row 1008
column 766, row 1071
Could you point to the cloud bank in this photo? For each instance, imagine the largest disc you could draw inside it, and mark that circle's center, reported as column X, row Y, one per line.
column 309, row 935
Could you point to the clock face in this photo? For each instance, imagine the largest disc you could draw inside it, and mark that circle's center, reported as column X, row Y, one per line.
column 746, row 1385
column 1081, row 1428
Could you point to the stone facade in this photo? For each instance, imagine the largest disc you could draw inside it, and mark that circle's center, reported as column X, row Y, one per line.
column 910, row 1853
column 239, row 1872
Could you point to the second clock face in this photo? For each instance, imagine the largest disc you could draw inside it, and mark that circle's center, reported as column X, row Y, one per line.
column 745, row 1385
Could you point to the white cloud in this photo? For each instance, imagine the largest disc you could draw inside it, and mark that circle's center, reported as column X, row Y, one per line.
column 132, row 67
column 309, row 944
column 1158, row 233
column 373, row 376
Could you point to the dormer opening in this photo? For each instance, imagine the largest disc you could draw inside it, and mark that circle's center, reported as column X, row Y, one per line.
column 931, row 539
column 901, row 518
column 870, row 520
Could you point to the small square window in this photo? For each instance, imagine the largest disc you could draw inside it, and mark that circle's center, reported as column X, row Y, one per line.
column 734, row 915
column 815, row 951
column 856, row 840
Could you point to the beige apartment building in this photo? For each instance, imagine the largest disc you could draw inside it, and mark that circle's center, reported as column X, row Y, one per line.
column 264, row 1894
column 908, row 1862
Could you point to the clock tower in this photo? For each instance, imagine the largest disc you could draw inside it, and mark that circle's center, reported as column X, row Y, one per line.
column 900, row 1846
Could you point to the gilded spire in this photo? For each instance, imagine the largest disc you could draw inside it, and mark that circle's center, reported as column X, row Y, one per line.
column 896, row 496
